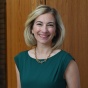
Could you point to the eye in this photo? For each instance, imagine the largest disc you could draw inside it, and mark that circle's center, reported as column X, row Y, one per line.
column 39, row 24
column 51, row 25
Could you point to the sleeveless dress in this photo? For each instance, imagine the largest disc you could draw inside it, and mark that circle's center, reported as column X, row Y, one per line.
column 46, row 75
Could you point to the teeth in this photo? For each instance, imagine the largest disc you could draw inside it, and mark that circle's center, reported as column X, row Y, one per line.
column 43, row 36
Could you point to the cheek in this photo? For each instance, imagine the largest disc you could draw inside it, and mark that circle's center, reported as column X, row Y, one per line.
column 34, row 29
column 53, row 32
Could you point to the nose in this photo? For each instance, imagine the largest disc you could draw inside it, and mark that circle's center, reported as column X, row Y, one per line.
column 44, row 28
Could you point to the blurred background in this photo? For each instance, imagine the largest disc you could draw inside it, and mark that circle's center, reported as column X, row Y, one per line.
column 13, row 14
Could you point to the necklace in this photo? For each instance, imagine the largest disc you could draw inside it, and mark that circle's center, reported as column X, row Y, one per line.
column 41, row 61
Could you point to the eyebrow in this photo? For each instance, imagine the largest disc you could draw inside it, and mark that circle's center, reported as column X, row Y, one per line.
column 39, row 21
column 47, row 23
column 51, row 22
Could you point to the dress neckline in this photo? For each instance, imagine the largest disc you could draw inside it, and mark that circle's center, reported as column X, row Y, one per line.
column 48, row 58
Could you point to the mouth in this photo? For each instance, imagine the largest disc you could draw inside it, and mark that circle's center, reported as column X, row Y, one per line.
column 44, row 35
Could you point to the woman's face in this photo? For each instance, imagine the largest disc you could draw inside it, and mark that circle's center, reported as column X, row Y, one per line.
column 44, row 28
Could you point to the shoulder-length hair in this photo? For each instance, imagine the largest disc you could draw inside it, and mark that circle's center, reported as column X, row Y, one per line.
column 60, row 30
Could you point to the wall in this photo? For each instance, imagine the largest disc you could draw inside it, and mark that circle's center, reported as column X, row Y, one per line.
column 75, row 17
column 2, row 44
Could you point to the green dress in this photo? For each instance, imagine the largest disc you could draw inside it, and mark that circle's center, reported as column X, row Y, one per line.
column 46, row 75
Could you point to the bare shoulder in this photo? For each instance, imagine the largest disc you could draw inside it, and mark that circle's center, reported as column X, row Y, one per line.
column 18, row 77
column 72, row 68
column 72, row 75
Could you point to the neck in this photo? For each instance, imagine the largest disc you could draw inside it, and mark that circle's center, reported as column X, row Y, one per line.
column 42, row 54
column 43, row 48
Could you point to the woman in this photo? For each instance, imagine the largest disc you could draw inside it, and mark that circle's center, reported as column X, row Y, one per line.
column 45, row 65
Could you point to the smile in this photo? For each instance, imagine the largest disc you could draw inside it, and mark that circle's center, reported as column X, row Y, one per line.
column 43, row 36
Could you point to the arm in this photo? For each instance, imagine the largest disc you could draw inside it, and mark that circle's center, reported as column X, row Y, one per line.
column 72, row 75
column 18, row 78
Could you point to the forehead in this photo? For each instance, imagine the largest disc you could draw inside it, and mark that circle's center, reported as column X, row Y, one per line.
column 47, row 17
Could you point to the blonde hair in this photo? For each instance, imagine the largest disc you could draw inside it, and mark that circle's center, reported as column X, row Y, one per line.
column 60, row 30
